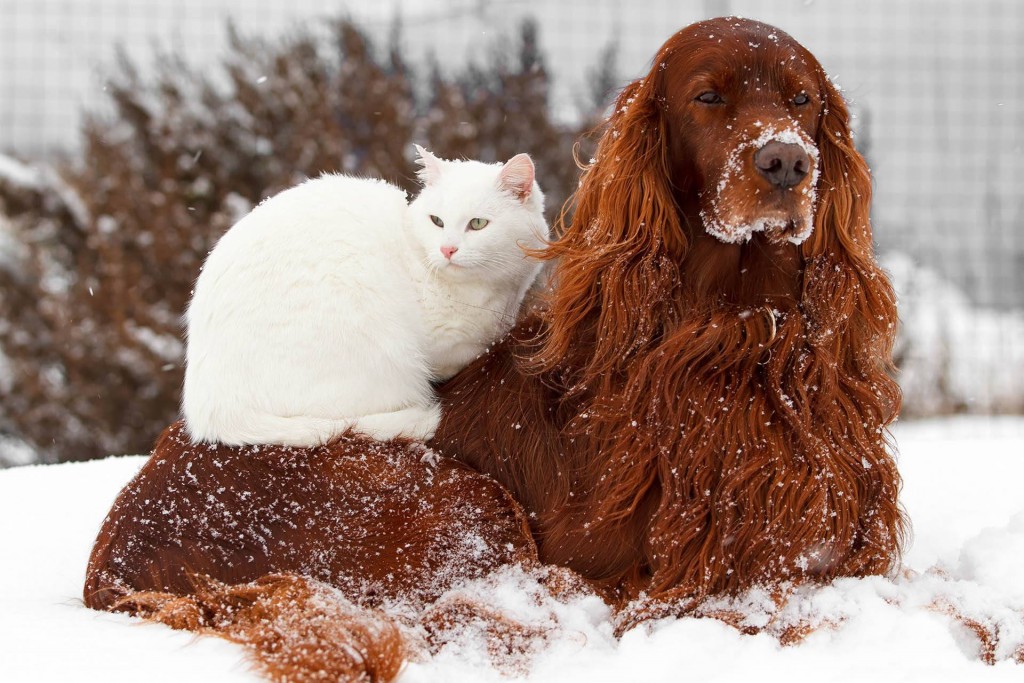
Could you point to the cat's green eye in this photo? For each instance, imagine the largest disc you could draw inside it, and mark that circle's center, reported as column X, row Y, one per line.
column 478, row 223
column 437, row 221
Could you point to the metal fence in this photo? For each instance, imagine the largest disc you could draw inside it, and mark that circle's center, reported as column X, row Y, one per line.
column 937, row 87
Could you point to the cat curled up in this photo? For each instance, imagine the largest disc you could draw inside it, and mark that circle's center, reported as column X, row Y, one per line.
column 334, row 304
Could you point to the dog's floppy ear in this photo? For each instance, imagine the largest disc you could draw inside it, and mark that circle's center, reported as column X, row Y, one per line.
column 847, row 298
column 627, row 182
column 842, row 219
column 613, row 263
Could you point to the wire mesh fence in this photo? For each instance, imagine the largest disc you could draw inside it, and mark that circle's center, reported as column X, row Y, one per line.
column 937, row 88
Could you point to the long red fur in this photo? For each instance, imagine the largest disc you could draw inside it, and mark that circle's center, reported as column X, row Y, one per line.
column 665, row 436
column 291, row 550
column 298, row 629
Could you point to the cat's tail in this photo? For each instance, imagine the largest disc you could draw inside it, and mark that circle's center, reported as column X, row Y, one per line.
column 414, row 422
column 296, row 629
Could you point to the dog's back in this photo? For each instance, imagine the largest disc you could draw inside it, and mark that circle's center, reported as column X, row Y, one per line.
column 374, row 520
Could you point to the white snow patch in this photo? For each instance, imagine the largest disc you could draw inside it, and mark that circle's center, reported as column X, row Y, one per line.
column 953, row 356
column 19, row 174
column 962, row 492
column 167, row 347
column 14, row 451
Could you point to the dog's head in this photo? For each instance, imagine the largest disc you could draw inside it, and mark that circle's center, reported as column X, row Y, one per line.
column 742, row 111
column 737, row 130
column 725, row 176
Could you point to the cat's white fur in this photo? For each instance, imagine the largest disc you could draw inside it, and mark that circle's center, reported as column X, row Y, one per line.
column 332, row 306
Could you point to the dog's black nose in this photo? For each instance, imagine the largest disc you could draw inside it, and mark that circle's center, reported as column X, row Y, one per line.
column 784, row 164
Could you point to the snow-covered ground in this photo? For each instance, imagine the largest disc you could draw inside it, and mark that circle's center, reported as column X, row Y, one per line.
column 962, row 491
column 953, row 355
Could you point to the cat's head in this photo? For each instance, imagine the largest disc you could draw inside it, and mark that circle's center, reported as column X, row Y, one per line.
column 474, row 220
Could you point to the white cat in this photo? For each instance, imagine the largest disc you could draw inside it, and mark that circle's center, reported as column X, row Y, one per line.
column 334, row 304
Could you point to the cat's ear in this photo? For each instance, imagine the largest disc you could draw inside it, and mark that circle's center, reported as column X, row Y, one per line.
column 431, row 171
column 516, row 176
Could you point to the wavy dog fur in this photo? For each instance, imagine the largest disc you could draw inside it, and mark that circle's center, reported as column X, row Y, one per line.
column 292, row 551
column 684, row 416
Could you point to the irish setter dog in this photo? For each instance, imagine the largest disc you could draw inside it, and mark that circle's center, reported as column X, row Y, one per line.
column 697, row 405
column 702, row 404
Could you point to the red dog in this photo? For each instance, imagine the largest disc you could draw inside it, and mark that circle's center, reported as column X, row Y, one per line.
column 703, row 404
column 699, row 406
column 375, row 521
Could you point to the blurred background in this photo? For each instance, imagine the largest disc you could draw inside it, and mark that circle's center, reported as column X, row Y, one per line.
column 133, row 134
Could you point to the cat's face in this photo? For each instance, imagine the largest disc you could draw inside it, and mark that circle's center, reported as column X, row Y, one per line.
column 473, row 220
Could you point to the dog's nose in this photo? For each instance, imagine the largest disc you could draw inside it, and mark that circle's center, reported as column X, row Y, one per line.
column 784, row 164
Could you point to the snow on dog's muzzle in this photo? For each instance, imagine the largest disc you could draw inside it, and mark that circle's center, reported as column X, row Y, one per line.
column 768, row 184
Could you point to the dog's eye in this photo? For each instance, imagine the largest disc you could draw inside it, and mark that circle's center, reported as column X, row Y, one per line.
column 478, row 223
column 437, row 221
column 710, row 97
column 801, row 99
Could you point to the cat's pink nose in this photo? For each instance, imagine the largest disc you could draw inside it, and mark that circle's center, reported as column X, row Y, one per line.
column 448, row 251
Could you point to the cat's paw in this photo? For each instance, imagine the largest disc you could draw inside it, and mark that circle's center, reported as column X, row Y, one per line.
column 417, row 422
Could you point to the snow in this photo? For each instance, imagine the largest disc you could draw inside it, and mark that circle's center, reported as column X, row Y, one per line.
column 49, row 516
column 13, row 451
column 953, row 355
column 962, row 491
column 19, row 174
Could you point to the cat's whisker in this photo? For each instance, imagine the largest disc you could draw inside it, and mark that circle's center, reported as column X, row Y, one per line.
column 501, row 314
column 502, row 266
column 432, row 270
